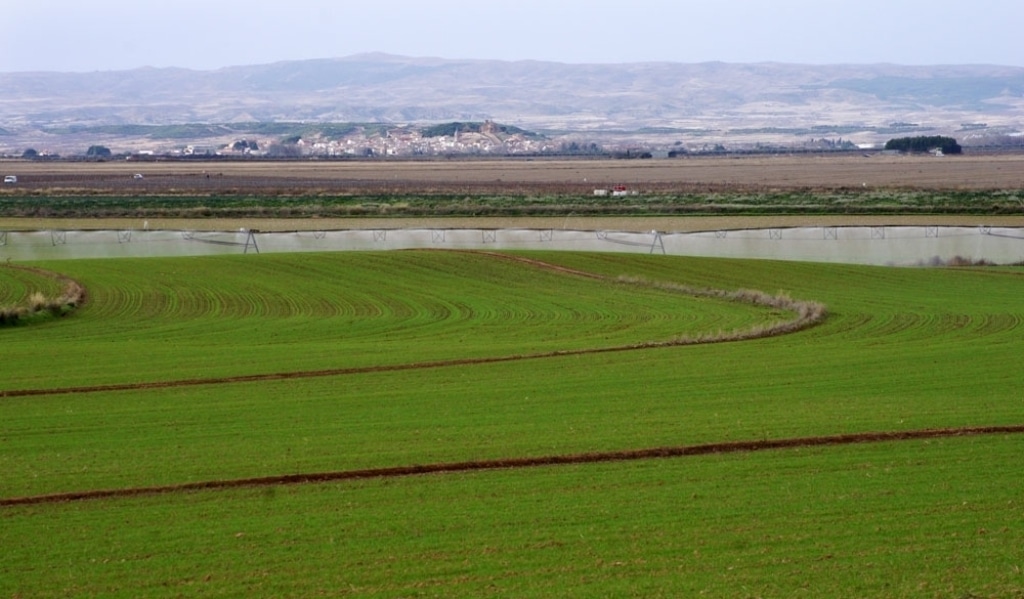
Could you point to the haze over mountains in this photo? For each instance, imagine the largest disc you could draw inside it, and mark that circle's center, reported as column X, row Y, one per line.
column 710, row 101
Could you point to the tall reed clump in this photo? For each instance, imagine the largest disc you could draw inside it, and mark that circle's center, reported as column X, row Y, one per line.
column 806, row 313
column 38, row 304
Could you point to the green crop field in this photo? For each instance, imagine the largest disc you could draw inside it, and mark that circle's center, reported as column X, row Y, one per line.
column 247, row 426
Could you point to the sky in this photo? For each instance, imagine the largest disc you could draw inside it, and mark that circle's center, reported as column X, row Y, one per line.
column 106, row 35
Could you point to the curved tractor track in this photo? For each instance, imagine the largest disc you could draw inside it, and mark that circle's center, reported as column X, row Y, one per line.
column 808, row 314
column 518, row 463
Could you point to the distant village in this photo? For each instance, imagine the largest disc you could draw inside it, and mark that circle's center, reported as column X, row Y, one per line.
column 298, row 140
column 486, row 138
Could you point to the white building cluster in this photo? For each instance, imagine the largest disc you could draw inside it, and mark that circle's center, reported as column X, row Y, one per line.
column 403, row 141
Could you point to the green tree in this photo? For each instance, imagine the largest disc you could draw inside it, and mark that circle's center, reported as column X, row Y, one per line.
column 98, row 152
column 924, row 143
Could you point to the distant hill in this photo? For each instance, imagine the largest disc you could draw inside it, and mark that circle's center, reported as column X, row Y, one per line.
column 707, row 100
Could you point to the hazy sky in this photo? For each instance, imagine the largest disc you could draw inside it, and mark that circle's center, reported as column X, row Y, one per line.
column 91, row 35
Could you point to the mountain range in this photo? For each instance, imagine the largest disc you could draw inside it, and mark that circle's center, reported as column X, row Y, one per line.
column 714, row 101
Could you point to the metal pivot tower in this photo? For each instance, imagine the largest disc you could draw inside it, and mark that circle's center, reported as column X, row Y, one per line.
column 657, row 242
column 251, row 240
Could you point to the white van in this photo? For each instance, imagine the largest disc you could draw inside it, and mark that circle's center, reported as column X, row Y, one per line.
column 10, row 179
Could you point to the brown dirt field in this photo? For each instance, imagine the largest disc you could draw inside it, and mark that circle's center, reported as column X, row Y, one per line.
column 517, row 177
column 969, row 171
column 528, row 462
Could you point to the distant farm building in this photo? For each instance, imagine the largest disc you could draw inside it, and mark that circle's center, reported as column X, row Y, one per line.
column 618, row 190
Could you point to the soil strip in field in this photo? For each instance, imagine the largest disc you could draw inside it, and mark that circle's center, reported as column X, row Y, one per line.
column 518, row 463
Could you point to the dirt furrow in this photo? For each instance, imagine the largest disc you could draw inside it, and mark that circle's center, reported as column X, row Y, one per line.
column 519, row 463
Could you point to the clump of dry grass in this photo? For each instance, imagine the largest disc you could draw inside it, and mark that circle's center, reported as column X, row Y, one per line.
column 805, row 313
column 37, row 302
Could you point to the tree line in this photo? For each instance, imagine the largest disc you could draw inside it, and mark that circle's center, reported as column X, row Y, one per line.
column 924, row 143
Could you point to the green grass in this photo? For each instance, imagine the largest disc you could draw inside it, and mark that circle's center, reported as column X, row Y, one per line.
column 244, row 315
column 920, row 519
column 18, row 284
column 902, row 349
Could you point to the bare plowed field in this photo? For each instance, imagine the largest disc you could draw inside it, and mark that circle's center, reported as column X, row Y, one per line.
column 968, row 172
